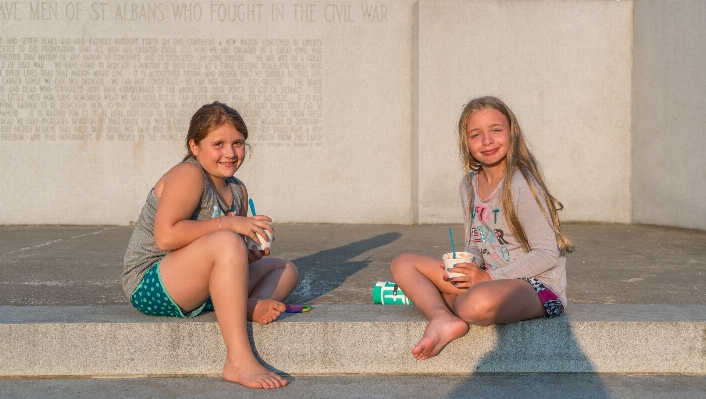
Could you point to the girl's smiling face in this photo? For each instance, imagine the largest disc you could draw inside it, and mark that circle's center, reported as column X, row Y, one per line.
column 221, row 152
column 488, row 137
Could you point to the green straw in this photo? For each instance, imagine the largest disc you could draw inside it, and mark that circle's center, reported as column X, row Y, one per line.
column 453, row 249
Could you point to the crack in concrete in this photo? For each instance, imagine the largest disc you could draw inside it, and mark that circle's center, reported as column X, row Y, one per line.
column 64, row 283
column 55, row 241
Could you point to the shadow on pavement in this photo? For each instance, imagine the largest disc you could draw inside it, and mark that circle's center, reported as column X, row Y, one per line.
column 529, row 351
column 324, row 271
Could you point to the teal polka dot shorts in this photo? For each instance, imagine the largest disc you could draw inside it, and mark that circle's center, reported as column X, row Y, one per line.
column 150, row 297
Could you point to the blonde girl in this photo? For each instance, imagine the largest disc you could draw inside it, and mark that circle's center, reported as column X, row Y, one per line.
column 512, row 229
column 187, row 251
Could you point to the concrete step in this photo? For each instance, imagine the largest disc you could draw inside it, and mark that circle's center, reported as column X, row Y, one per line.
column 350, row 339
column 476, row 386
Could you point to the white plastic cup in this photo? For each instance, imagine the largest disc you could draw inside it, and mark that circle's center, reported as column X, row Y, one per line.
column 450, row 262
column 264, row 244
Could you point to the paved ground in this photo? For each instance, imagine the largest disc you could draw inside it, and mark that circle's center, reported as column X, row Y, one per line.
column 614, row 263
column 627, row 264
column 568, row 386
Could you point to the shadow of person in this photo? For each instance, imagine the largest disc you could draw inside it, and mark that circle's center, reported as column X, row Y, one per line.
column 251, row 337
column 324, row 271
column 526, row 364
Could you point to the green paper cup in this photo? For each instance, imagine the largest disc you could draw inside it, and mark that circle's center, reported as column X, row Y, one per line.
column 388, row 293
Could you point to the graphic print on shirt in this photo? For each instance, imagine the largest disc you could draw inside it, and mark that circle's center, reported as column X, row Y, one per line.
column 217, row 212
column 481, row 235
column 505, row 253
column 484, row 214
column 484, row 234
column 500, row 236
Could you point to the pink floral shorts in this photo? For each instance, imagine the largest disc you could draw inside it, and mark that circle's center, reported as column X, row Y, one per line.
column 549, row 299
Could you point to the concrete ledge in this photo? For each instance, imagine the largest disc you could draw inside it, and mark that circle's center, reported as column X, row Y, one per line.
column 351, row 339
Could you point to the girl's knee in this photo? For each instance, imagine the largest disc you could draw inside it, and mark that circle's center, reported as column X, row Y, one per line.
column 228, row 243
column 401, row 262
column 477, row 310
column 229, row 237
column 283, row 266
column 292, row 270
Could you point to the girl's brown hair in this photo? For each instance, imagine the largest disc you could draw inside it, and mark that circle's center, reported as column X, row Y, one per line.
column 518, row 158
column 209, row 117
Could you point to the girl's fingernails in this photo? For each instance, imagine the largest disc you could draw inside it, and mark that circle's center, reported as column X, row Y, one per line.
column 451, row 278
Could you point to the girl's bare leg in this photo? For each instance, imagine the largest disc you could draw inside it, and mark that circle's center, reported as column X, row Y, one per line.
column 216, row 265
column 421, row 279
column 271, row 281
column 499, row 301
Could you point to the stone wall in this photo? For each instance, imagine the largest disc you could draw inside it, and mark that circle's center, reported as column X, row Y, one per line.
column 97, row 99
column 352, row 106
column 669, row 99
column 564, row 68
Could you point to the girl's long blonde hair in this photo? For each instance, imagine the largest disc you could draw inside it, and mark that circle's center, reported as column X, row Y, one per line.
column 518, row 158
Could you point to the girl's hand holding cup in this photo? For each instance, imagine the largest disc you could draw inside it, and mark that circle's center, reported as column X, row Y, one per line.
column 260, row 242
column 256, row 231
column 472, row 275
column 463, row 272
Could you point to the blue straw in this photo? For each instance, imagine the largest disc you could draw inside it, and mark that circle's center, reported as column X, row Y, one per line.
column 453, row 249
column 252, row 207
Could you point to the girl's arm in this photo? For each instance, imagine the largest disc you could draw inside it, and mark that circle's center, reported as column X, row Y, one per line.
column 243, row 211
column 261, row 218
column 544, row 253
column 253, row 254
column 179, row 192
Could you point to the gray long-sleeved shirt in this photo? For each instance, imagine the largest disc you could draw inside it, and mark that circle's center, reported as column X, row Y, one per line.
column 490, row 237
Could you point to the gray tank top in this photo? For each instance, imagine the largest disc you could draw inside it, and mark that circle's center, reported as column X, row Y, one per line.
column 142, row 252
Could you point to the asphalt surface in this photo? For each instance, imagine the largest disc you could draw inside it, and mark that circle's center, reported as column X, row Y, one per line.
column 613, row 263
column 339, row 264
column 530, row 386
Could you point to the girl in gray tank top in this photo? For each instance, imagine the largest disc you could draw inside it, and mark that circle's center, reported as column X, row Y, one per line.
column 514, row 265
column 188, row 254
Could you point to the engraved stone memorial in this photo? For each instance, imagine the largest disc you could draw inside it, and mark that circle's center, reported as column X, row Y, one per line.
column 96, row 98
column 351, row 106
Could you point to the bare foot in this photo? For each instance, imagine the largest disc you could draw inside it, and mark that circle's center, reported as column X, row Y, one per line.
column 252, row 374
column 264, row 311
column 440, row 331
